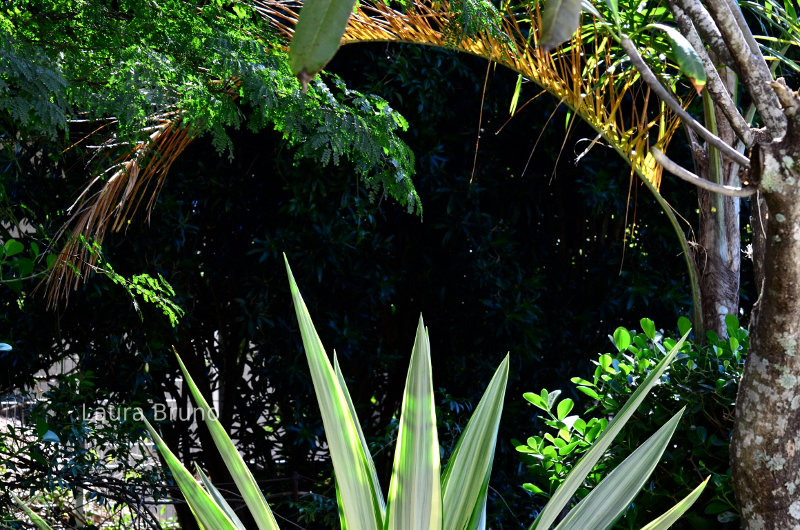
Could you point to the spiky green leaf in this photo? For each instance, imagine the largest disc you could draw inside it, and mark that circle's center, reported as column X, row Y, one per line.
column 603, row 505
column 415, row 497
column 466, row 476
column 668, row 518
column 359, row 503
column 207, row 512
column 233, row 461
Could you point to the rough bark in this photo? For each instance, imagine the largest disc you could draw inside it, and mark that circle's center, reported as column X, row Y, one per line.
column 718, row 259
column 765, row 450
column 720, row 235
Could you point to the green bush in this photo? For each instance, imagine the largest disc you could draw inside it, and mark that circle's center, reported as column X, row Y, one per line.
column 74, row 454
column 704, row 378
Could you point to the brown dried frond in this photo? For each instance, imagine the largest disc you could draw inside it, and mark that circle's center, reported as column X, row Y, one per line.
column 579, row 75
column 135, row 175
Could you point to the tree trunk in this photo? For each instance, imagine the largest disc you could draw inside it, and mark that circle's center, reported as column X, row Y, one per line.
column 718, row 261
column 765, row 449
column 719, row 257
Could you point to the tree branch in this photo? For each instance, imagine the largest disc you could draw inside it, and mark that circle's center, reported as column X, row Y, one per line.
column 716, row 88
column 688, row 176
column 651, row 80
column 705, row 26
column 756, row 79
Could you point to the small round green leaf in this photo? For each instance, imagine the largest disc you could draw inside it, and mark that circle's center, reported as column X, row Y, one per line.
column 648, row 327
column 564, row 408
column 13, row 247
column 684, row 325
column 622, row 339
column 588, row 391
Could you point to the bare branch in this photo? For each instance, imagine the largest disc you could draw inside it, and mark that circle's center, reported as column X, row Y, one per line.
column 700, row 182
column 651, row 80
column 748, row 36
column 755, row 78
column 705, row 26
column 716, row 88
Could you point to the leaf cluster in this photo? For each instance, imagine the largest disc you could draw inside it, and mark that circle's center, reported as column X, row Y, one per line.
column 214, row 65
column 703, row 377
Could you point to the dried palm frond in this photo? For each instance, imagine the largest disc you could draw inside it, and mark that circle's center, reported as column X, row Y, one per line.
column 135, row 175
column 581, row 76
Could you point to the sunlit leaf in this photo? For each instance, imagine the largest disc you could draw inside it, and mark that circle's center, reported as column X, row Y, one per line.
column 415, row 497
column 673, row 514
column 466, row 477
column 688, row 61
column 622, row 338
column 601, row 507
column 648, row 327
column 233, row 461
column 317, row 36
column 560, row 19
column 515, row 98
column 360, row 505
column 207, row 512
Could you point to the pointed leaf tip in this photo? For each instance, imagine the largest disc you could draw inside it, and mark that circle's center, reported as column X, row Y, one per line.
column 685, row 55
column 317, row 35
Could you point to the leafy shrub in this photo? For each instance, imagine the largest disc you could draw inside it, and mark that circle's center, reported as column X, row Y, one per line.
column 704, row 378
column 76, row 455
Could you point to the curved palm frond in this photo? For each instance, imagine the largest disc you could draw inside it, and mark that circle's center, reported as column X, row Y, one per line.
column 581, row 76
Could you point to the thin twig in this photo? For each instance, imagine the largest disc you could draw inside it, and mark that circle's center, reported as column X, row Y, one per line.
column 688, row 176
column 651, row 80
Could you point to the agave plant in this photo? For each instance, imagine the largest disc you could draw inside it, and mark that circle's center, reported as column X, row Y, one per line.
column 420, row 496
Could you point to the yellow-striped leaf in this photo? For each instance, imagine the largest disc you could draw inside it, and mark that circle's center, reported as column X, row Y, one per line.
column 466, row 476
column 603, row 505
column 207, row 512
column 673, row 514
column 359, row 503
column 218, row 498
column 244, row 480
column 415, row 497
column 364, row 446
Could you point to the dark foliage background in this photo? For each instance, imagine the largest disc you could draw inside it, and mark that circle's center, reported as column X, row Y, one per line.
column 543, row 263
